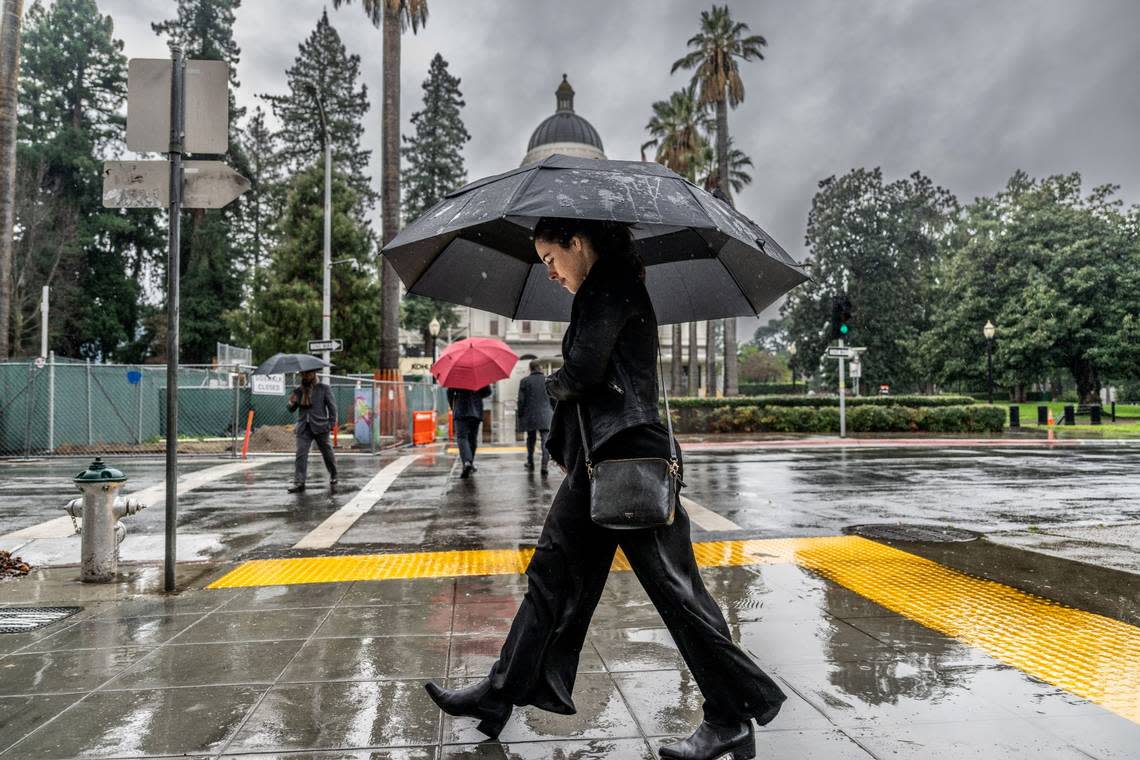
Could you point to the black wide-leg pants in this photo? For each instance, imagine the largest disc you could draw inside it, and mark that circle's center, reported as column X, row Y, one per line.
column 539, row 659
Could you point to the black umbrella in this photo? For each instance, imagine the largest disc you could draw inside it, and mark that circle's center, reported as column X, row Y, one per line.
column 281, row 363
column 704, row 259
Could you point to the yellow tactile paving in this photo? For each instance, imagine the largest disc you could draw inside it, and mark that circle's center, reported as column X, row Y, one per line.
column 1089, row 655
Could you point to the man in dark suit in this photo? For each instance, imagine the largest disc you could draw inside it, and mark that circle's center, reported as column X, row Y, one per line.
column 467, row 411
column 534, row 413
column 314, row 422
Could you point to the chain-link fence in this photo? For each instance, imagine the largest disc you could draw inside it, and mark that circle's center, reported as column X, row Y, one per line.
column 63, row 406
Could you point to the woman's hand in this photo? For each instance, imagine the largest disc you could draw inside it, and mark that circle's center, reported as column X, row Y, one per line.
column 293, row 400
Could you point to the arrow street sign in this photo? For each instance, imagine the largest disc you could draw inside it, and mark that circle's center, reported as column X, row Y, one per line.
column 835, row 352
column 146, row 184
column 336, row 344
column 207, row 105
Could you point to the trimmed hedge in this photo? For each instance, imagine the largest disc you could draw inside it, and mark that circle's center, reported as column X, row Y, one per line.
column 691, row 402
column 772, row 389
column 868, row 418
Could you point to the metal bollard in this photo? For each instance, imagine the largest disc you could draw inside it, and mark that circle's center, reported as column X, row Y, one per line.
column 100, row 509
column 1094, row 414
column 1070, row 415
column 1014, row 417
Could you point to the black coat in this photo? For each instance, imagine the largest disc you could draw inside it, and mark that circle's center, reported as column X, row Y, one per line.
column 321, row 415
column 534, row 407
column 610, row 357
column 466, row 403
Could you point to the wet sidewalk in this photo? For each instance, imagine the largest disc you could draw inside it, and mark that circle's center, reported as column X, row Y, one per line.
column 337, row 671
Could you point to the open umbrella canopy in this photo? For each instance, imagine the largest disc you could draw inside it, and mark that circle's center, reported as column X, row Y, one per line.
column 280, row 363
column 704, row 259
column 474, row 362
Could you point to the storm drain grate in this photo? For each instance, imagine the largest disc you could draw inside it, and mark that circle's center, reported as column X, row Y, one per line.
column 939, row 534
column 24, row 619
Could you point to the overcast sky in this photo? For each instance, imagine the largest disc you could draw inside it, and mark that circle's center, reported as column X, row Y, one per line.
column 965, row 91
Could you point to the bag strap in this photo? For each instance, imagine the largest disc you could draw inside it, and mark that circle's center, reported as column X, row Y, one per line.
column 673, row 466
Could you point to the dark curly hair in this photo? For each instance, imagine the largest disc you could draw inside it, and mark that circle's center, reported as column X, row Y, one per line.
column 608, row 239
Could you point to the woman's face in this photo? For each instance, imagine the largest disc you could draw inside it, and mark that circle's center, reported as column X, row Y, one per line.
column 567, row 266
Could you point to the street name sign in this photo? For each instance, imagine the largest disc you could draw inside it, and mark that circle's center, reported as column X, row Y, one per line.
column 207, row 105
column 336, row 344
column 146, row 184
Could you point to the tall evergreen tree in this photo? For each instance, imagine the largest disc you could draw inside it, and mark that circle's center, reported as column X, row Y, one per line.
column 213, row 251
column 74, row 85
column 434, row 157
column 286, row 314
column 265, row 199
column 11, row 21
column 324, row 75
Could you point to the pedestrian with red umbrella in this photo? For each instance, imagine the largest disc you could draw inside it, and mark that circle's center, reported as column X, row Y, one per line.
column 467, row 369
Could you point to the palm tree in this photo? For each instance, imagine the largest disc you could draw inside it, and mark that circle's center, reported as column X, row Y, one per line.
column 738, row 165
column 393, row 17
column 677, row 128
column 13, row 15
column 714, row 52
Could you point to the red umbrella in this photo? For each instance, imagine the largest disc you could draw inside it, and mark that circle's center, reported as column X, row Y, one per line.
column 474, row 362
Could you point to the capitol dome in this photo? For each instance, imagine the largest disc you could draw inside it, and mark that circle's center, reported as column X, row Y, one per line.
column 565, row 132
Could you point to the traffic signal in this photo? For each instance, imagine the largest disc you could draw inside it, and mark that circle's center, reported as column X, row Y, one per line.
column 841, row 318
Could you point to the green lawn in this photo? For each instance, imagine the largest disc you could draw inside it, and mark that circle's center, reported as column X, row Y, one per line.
column 1029, row 411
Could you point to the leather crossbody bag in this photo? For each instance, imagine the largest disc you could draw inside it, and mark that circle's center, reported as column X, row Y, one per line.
column 627, row 494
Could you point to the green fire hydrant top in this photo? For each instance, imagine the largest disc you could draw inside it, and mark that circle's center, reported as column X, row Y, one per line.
column 99, row 472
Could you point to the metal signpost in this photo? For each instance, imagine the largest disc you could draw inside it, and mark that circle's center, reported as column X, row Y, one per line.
column 158, row 120
column 843, row 353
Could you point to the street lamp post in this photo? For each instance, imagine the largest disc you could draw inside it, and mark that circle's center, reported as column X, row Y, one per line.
column 792, row 361
column 326, row 286
column 989, row 331
column 433, row 330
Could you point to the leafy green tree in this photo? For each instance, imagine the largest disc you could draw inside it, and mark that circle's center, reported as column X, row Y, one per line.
column 214, row 252
column 393, row 17
column 1055, row 272
column 324, row 75
column 73, row 86
column 738, row 165
column 435, row 166
column 879, row 243
column 759, row 366
column 286, row 313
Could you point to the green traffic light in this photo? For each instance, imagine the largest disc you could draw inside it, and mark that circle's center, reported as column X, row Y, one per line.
column 843, row 329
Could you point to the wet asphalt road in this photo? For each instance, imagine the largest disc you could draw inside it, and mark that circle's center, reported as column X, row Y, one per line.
column 766, row 493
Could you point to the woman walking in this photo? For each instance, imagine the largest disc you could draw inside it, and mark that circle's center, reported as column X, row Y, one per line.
column 610, row 374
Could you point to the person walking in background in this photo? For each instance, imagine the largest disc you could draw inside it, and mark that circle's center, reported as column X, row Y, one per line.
column 467, row 411
column 534, row 413
column 314, row 422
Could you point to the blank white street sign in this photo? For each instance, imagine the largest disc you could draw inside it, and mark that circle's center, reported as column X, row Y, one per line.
column 207, row 105
column 146, row 184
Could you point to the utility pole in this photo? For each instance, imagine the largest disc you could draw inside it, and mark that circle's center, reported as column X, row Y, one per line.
column 326, row 269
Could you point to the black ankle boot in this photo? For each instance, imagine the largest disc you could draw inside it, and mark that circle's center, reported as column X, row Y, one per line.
column 475, row 701
column 710, row 741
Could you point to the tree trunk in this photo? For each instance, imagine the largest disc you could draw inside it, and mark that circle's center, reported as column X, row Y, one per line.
column 731, row 366
column 710, row 357
column 676, row 361
column 12, row 18
column 1088, row 381
column 390, row 188
column 694, row 362
column 722, row 148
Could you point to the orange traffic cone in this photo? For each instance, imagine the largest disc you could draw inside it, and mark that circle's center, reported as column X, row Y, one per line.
column 1051, row 423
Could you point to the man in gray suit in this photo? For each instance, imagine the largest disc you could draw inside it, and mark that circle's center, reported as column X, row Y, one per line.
column 315, row 420
column 534, row 413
